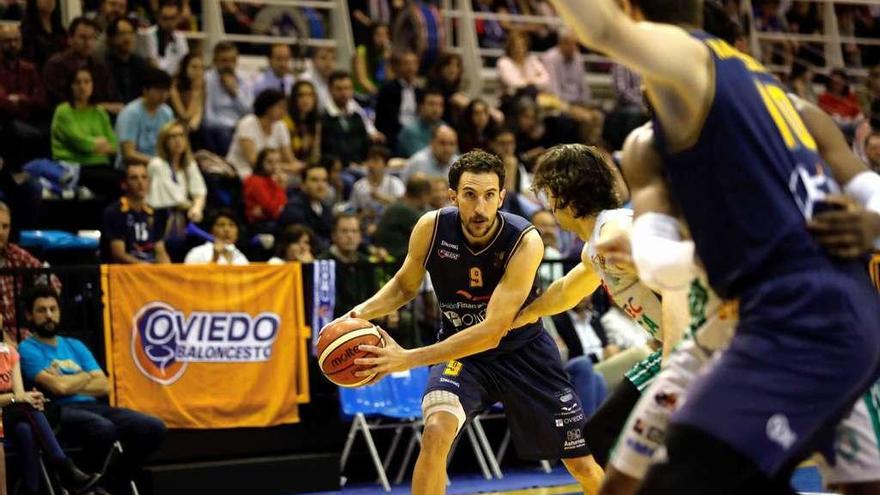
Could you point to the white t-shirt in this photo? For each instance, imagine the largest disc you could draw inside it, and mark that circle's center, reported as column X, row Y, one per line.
column 249, row 128
column 362, row 192
column 204, row 254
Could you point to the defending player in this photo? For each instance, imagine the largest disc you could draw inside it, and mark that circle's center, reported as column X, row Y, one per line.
column 564, row 173
column 846, row 233
column 745, row 174
column 483, row 265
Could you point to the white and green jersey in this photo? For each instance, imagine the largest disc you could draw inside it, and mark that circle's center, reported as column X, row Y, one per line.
column 627, row 292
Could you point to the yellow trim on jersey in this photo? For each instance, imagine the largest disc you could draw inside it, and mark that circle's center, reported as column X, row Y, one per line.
column 874, row 270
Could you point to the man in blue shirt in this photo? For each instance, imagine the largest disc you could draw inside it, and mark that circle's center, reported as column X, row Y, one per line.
column 67, row 372
column 139, row 122
column 279, row 74
column 228, row 98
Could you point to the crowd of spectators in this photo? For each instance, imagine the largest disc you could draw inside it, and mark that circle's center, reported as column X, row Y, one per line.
column 313, row 157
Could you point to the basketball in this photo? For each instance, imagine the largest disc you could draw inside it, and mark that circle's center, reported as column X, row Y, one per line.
column 338, row 345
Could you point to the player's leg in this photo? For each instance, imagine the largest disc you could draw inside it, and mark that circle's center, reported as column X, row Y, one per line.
column 604, row 426
column 585, row 470
column 857, row 449
column 441, row 427
column 802, row 339
column 645, row 429
column 544, row 413
column 454, row 393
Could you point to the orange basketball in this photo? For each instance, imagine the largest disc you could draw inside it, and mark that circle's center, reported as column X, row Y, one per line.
column 338, row 348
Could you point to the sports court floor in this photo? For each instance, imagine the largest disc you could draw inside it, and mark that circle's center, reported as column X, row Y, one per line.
column 535, row 482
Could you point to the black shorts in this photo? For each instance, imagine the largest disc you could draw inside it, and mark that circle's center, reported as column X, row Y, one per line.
column 544, row 412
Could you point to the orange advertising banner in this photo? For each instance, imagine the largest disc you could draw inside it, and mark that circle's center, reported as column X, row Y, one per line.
column 207, row 346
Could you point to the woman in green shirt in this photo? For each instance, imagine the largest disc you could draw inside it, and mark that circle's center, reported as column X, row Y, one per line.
column 82, row 134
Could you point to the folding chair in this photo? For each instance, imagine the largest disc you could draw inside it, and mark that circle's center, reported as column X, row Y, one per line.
column 398, row 398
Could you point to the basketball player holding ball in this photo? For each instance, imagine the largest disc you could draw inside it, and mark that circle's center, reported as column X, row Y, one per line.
column 483, row 264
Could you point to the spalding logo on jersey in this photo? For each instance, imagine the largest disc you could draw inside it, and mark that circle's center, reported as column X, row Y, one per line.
column 165, row 340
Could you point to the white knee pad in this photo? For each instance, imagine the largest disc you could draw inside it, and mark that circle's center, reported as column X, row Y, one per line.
column 442, row 400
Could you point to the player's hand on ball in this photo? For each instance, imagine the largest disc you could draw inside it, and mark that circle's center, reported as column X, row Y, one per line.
column 848, row 230
column 388, row 359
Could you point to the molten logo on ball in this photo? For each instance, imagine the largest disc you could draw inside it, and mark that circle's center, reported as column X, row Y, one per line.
column 164, row 339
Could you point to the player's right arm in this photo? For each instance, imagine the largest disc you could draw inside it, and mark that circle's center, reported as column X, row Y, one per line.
column 404, row 286
column 563, row 294
column 855, row 228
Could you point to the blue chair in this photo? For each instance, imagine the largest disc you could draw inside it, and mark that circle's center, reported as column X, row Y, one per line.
column 395, row 402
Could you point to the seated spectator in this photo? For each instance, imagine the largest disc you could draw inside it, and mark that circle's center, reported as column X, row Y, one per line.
column 629, row 111
column 260, row 130
column 23, row 107
column 60, row 68
column 545, row 224
column 447, row 75
column 66, row 371
column 520, row 199
column 343, row 133
column 565, row 67
column 352, row 265
column 340, row 181
column 30, row 433
column 309, row 206
column 318, row 71
column 42, row 32
column 279, row 74
column 490, row 32
column 108, row 11
column 303, row 120
column 519, row 70
column 222, row 251
column 162, row 44
column 265, row 192
column 839, row 101
column 436, row 158
column 371, row 64
column 132, row 230
column 372, row 194
column 295, row 245
column 396, row 101
column 398, row 220
column 417, row 134
column 872, row 151
column 137, row 127
column 800, row 81
column 228, row 98
column 439, row 192
column 868, row 92
column 188, row 91
column 176, row 183
column 476, row 127
column 11, row 256
column 82, row 134
column 126, row 67
column 530, row 132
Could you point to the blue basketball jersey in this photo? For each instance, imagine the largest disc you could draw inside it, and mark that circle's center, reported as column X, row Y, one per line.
column 464, row 278
column 750, row 179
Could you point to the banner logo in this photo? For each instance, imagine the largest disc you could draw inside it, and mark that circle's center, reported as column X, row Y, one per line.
column 165, row 340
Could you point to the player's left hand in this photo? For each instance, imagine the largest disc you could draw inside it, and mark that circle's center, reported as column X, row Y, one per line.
column 848, row 231
column 389, row 359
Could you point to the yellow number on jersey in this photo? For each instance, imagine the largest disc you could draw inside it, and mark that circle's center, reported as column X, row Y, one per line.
column 476, row 277
column 788, row 121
